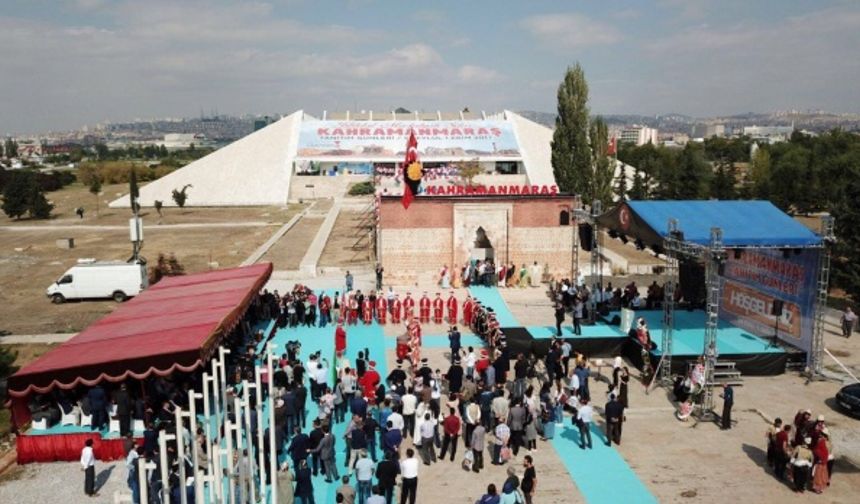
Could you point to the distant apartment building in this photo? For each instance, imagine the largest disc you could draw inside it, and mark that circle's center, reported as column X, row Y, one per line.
column 177, row 141
column 639, row 135
column 769, row 133
column 708, row 130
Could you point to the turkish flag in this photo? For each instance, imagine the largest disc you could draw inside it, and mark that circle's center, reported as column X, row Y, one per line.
column 612, row 148
column 412, row 171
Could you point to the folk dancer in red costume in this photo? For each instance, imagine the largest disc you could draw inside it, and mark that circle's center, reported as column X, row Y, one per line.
column 408, row 306
column 438, row 308
column 381, row 308
column 467, row 311
column 414, row 331
column 402, row 351
column 369, row 381
column 395, row 310
column 424, row 309
column 367, row 310
column 354, row 309
column 339, row 338
column 452, row 309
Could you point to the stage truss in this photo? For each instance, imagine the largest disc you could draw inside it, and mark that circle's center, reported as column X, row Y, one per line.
column 816, row 354
column 583, row 216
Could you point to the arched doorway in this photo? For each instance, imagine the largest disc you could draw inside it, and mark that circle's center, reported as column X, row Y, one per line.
column 482, row 248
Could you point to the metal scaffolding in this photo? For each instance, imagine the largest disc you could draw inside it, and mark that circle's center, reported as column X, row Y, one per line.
column 672, row 248
column 814, row 359
column 714, row 261
column 584, row 216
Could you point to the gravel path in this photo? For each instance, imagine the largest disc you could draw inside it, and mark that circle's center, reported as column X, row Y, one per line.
column 60, row 482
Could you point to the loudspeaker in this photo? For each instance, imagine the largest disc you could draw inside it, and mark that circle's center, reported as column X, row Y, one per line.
column 586, row 236
column 776, row 308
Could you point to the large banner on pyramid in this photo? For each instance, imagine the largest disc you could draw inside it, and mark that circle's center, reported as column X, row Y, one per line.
column 386, row 140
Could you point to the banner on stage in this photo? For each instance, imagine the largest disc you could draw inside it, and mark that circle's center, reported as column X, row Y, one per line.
column 386, row 140
column 757, row 278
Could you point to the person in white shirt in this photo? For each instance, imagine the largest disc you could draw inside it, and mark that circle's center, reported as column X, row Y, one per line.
column 471, row 359
column 584, row 417
column 397, row 421
column 408, row 402
column 88, row 465
column 409, row 474
column 427, row 430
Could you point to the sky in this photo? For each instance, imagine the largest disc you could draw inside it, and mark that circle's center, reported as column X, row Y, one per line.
column 69, row 63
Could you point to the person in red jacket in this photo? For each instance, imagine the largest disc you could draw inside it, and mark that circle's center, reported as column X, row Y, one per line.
column 408, row 306
column 381, row 308
column 369, row 381
column 339, row 338
column 424, row 309
column 451, row 427
column 467, row 311
column 438, row 308
column 452, row 309
column 395, row 310
column 367, row 310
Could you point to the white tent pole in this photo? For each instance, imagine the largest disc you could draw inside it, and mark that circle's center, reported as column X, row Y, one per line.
column 208, row 420
column 251, row 470
column 228, row 435
column 216, row 402
column 195, row 450
column 180, row 453
column 143, row 481
column 261, row 462
column 163, row 438
column 273, row 455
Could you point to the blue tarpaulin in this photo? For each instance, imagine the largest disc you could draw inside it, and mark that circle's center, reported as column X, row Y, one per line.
column 744, row 223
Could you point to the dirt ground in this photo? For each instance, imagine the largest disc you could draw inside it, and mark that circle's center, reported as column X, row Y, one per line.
column 30, row 261
column 76, row 195
column 288, row 251
column 349, row 243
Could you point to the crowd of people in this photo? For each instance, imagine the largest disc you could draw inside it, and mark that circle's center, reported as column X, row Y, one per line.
column 801, row 452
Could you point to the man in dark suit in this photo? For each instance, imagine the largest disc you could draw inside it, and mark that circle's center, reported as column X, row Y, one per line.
column 98, row 405
column 299, row 446
column 123, row 410
column 614, row 413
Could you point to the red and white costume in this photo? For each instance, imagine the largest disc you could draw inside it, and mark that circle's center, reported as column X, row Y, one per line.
column 367, row 310
column 369, row 381
column 424, row 309
column 467, row 311
column 408, row 306
column 395, row 311
column 414, row 332
column 438, row 309
column 381, row 309
column 452, row 309
column 339, row 339
column 353, row 310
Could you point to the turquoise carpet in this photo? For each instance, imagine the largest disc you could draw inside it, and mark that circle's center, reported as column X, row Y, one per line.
column 688, row 335
column 358, row 338
column 601, row 474
column 440, row 341
column 599, row 330
column 490, row 297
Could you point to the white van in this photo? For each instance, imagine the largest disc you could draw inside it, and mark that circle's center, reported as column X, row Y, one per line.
column 91, row 279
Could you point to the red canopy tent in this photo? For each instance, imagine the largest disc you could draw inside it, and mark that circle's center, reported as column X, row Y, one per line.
column 176, row 324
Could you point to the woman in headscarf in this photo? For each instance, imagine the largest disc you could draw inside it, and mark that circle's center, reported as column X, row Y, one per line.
column 801, row 463
column 820, row 476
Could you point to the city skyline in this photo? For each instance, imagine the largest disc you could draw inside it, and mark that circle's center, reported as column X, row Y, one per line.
column 82, row 62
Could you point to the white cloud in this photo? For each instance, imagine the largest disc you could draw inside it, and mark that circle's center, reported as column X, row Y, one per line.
column 571, row 31
column 474, row 74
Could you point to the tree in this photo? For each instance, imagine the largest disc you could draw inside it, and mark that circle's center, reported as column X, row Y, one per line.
column 158, row 205
column 639, row 189
column 133, row 192
column 10, row 148
column 179, row 196
column 723, row 181
column 23, row 195
column 694, row 174
column 602, row 171
column 102, row 151
column 571, row 154
column 468, row 170
column 7, row 359
column 95, row 189
column 621, row 185
column 759, row 174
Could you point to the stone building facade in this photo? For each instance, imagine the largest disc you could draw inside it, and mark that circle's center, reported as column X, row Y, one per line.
column 449, row 230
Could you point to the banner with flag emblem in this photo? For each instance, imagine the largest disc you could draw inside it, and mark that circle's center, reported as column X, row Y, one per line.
column 412, row 171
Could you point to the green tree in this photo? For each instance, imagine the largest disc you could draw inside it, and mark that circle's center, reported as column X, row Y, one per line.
column 7, row 359
column 158, row 206
column 23, row 195
column 10, row 148
column 102, row 152
column 571, row 156
column 694, row 174
column 133, row 191
column 600, row 187
column 468, row 170
column 639, row 188
column 621, row 186
column 759, row 174
column 179, row 196
column 95, row 189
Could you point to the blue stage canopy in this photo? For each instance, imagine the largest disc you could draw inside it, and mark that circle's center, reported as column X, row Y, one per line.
column 744, row 223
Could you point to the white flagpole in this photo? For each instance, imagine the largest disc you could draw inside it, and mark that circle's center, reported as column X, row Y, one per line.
column 216, row 402
column 143, row 481
column 195, row 450
column 251, row 470
column 163, row 438
column 228, row 435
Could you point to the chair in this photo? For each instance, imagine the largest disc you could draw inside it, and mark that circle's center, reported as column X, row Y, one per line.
column 138, row 425
column 70, row 418
column 41, row 424
column 113, row 426
column 86, row 420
